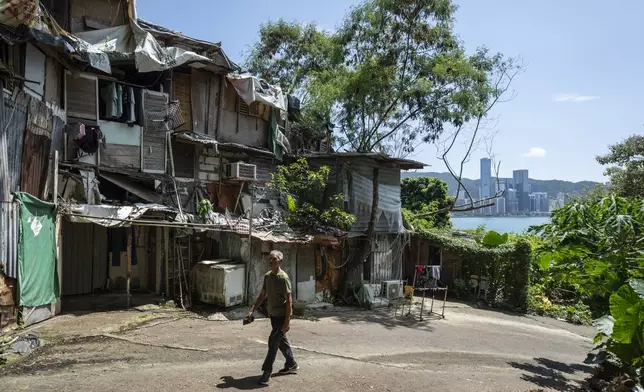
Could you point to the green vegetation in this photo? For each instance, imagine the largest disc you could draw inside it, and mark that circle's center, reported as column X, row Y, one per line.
column 305, row 190
column 627, row 174
column 540, row 303
column 620, row 339
column 394, row 72
column 426, row 197
column 594, row 246
column 506, row 264
column 591, row 256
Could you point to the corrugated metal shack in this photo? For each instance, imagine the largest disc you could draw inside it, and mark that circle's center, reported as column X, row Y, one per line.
column 352, row 177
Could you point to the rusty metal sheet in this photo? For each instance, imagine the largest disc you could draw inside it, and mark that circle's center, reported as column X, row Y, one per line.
column 389, row 202
column 12, row 129
column 387, row 258
column 36, row 149
column 9, row 227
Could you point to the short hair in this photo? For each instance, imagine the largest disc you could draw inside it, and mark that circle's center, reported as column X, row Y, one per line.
column 279, row 255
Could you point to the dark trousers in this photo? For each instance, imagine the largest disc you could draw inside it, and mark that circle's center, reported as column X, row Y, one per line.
column 277, row 341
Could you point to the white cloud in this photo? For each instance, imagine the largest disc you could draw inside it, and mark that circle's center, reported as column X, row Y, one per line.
column 574, row 98
column 535, row 152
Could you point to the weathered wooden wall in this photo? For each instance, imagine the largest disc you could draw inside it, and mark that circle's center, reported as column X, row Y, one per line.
column 239, row 123
column 154, row 136
column 106, row 13
column 84, row 267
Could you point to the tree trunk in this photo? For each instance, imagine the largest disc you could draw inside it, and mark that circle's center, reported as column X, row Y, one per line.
column 366, row 247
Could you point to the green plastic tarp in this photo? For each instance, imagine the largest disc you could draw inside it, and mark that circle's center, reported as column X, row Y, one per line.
column 273, row 134
column 37, row 269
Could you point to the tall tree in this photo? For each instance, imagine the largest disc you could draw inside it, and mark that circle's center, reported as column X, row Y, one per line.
column 423, row 195
column 627, row 173
column 394, row 69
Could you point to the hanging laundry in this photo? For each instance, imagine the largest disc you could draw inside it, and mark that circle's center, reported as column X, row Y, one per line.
column 132, row 105
column 436, row 272
column 111, row 98
column 119, row 100
column 76, row 131
column 92, row 140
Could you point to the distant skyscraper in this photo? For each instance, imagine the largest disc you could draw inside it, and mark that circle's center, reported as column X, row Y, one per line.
column 486, row 178
column 539, row 202
column 511, row 201
column 500, row 205
column 485, row 189
column 521, row 181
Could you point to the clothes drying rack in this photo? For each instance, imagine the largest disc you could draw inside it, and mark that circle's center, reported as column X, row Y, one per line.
column 426, row 279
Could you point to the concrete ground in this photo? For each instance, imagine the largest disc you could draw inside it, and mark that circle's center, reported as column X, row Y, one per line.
column 469, row 350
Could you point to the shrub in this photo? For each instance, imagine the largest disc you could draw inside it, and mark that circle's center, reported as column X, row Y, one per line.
column 305, row 189
column 507, row 266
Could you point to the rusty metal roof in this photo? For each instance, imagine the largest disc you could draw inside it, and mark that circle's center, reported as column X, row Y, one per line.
column 252, row 151
column 199, row 138
column 163, row 32
column 404, row 164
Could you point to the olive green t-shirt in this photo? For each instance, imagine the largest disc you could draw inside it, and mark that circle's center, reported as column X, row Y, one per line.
column 277, row 286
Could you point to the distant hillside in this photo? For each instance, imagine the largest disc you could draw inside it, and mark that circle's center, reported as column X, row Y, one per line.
column 552, row 187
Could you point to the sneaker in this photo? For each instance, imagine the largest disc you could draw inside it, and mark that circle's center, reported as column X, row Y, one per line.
column 289, row 369
column 265, row 378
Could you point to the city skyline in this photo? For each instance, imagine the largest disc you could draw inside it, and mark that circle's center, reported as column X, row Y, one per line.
column 515, row 194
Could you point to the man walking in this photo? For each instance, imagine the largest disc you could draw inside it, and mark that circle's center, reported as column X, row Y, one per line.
column 277, row 289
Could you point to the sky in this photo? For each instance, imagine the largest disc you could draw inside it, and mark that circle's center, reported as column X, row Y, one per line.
column 581, row 89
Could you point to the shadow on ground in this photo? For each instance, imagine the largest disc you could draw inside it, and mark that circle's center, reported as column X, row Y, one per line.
column 242, row 384
column 81, row 305
column 547, row 373
column 383, row 317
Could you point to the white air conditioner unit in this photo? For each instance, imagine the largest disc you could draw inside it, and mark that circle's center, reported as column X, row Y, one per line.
column 391, row 289
column 240, row 171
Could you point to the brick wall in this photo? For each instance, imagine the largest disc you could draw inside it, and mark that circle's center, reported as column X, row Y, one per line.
column 208, row 166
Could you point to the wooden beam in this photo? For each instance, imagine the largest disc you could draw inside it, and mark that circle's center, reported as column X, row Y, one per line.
column 128, row 275
column 56, row 178
column 158, row 260
column 166, row 240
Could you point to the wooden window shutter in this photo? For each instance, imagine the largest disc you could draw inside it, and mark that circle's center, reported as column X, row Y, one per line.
column 181, row 86
column 153, row 143
column 242, row 107
column 81, row 96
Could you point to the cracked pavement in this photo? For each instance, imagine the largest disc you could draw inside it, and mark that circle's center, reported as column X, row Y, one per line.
column 469, row 350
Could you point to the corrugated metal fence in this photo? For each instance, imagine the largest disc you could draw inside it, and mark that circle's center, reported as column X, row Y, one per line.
column 9, row 230
column 361, row 196
column 387, row 257
column 37, row 144
column 26, row 129
column 13, row 117
column 13, row 120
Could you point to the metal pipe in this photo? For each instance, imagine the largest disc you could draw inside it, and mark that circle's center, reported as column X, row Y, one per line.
column 250, row 241
column 157, row 223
